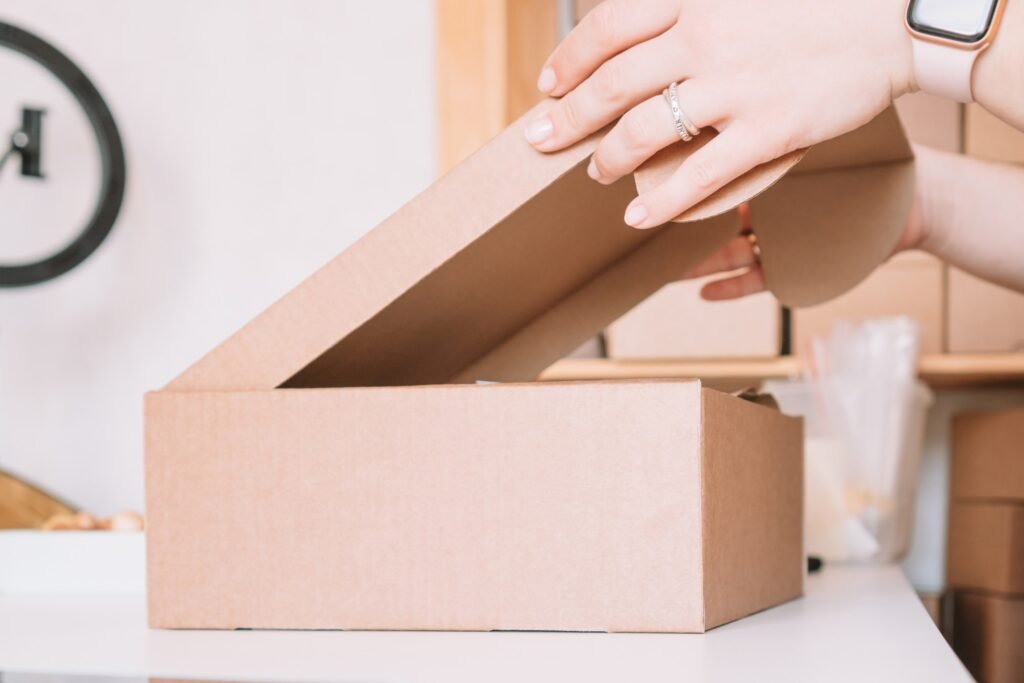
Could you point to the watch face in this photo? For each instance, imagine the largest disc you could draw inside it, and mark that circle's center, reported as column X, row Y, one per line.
column 965, row 21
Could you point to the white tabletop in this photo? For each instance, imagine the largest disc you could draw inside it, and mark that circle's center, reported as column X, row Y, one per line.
column 855, row 624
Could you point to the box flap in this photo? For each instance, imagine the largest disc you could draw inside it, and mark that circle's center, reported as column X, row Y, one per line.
column 515, row 257
column 826, row 225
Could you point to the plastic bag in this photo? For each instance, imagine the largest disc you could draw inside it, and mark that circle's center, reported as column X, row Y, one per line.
column 864, row 413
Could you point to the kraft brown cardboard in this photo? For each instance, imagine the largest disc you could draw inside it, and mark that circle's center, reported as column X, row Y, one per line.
column 515, row 258
column 987, row 456
column 985, row 550
column 676, row 322
column 615, row 506
column 987, row 634
column 984, row 317
column 296, row 477
column 987, row 137
column 932, row 121
column 910, row 284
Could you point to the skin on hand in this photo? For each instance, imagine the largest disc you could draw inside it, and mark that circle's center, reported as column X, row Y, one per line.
column 771, row 78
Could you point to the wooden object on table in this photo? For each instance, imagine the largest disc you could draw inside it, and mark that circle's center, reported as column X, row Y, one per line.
column 489, row 54
column 23, row 506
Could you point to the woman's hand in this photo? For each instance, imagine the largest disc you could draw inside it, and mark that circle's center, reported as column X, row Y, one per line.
column 771, row 77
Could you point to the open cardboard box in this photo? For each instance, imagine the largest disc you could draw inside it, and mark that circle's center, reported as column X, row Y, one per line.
column 331, row 465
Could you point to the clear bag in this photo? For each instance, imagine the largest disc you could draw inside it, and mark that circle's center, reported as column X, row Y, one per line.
column 865, row 414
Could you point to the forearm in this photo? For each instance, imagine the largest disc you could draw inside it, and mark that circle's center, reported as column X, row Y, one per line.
column 972, row 213
column 998, row 81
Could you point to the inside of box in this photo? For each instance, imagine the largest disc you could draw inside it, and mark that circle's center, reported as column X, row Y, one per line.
column 514, row 258
column 489, row 291
column 564, row 265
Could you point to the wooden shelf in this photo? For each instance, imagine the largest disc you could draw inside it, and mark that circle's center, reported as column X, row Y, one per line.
column 937, row 370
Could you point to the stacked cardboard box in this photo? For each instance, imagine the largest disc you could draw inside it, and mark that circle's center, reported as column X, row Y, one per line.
column 677, row 323
column 985, row 549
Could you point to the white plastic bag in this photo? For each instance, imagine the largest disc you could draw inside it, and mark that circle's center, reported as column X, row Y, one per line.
column 864, row 413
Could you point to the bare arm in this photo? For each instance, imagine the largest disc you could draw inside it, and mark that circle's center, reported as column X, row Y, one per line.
column 971, row 215
column 998, row 81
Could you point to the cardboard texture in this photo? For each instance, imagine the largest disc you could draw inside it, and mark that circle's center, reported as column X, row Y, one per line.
column 932, row 121
column 987, row 634
column 988, row 458
column 985, row 550
column 983, row 317
column 910, row 284
column 987, row 137
column 515, row 258
column 298, row 478
column 676, row 322
column 633, row 506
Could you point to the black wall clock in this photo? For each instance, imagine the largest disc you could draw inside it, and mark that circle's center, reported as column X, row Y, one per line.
column 27, row 142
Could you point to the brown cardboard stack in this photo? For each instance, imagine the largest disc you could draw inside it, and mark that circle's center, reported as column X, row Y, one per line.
column 985, row 549
column 677, row 323
column 984, row 317
column 331, row 465
column 910, row 284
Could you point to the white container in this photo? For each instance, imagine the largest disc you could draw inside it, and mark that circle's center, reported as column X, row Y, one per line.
column 862, row 459
column 72, row 562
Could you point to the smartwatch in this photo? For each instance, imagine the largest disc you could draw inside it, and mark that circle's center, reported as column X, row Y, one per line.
column 947, row 37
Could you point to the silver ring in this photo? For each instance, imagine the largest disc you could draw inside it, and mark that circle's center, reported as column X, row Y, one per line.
column 685, row 127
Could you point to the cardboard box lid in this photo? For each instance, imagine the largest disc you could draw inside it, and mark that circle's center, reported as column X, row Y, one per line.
column 514, row 258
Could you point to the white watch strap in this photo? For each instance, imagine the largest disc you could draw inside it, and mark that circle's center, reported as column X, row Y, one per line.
column 944, row 70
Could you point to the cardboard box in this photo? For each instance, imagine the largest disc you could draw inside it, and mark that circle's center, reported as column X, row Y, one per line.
column 987, row 634
column 932, row 121
column 677, row 323
column 299, row 475
column 985, row 550
column 983, row 317
column 910, row 284
column 987, row 456
column 635, row 506
column 987, row 137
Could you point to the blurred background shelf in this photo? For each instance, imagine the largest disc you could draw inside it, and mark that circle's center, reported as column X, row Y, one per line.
column 936, row 370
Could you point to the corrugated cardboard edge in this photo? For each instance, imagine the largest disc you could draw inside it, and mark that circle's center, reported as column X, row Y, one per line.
column 752, row 560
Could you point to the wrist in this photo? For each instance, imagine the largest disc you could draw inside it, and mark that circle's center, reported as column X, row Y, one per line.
column 900, row 53
column 933, row 199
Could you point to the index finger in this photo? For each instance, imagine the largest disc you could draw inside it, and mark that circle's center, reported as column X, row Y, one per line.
column 604, row 32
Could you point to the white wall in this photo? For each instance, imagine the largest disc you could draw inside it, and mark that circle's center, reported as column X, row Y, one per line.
column 262, row 137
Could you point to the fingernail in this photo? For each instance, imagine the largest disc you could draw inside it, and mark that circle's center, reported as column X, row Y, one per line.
column 592, row 170
column 539, row 131
column 636, row 214
column 546, row 80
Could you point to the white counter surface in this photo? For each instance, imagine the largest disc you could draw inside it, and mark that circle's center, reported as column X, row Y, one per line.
column 855, row 624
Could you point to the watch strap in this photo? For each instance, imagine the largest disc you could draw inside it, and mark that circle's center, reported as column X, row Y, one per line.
column 944, row 70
